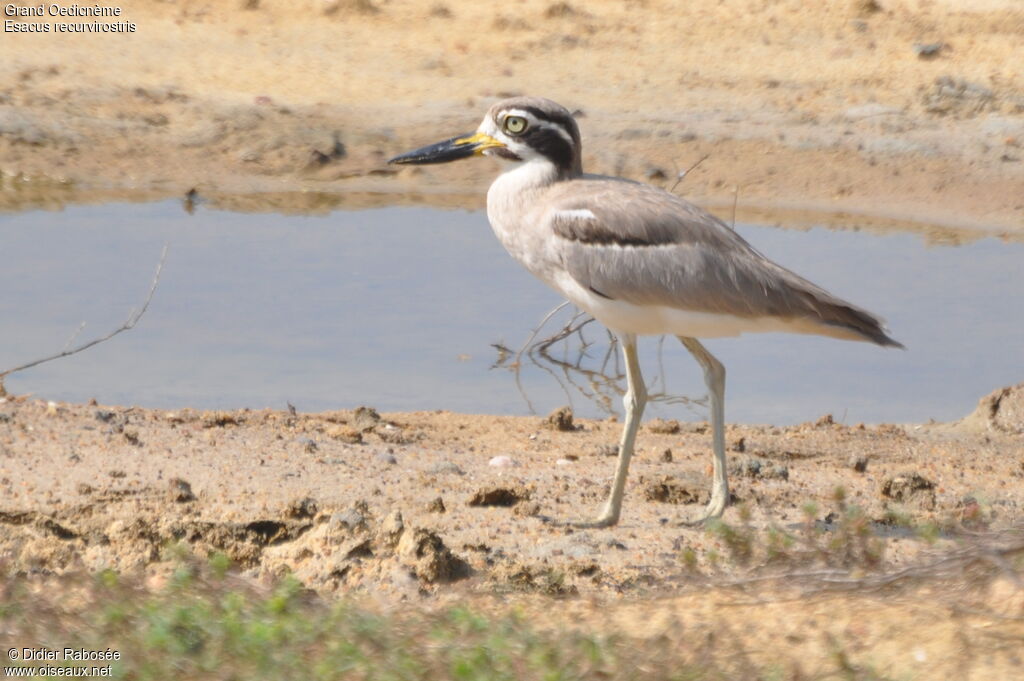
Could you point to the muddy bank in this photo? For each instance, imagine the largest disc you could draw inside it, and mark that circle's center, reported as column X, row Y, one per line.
column 888, row 111
column 399, row 503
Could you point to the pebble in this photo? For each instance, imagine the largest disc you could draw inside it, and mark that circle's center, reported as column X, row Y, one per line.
column 365, row 418
column 928, row 50
column 563, row 462
column 305, row 507
column 349, row 518
column 445, row 467
column 502, row 462
column 859, row 463
column 560, row 419
column 180, row 491
column 385, row 457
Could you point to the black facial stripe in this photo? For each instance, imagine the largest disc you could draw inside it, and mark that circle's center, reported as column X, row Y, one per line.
column 550, row 144
column 562, row 121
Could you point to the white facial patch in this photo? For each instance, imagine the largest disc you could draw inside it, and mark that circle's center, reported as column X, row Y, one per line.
column 537, row 123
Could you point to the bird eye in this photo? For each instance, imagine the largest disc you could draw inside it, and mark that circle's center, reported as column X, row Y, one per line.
column 515, row 124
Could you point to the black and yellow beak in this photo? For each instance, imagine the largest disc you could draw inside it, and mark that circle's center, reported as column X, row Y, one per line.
column 454, row 149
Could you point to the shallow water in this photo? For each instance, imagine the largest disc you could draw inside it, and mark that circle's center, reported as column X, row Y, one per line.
column 399, row 307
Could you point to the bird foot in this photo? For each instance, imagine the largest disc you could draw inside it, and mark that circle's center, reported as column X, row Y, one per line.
column 714, row 510
column 598, row 523
column 604, row 520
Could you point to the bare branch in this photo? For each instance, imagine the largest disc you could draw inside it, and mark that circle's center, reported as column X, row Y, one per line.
column 72, row 337
column 680, row 176
column 735, row 200
column 540, row 326
column 133, row 318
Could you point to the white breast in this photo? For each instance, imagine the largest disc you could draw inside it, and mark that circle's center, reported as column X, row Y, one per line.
column 512, row 202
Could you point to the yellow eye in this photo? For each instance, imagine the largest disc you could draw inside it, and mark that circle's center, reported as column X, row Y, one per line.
column 515, row 124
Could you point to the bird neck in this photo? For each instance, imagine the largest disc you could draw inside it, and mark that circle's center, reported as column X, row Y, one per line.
column 536, row 173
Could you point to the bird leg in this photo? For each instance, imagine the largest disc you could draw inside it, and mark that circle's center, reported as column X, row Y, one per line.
column 634, row 401
column 714, row 377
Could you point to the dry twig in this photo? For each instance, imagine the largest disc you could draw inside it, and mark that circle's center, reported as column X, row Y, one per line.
column 133, row 318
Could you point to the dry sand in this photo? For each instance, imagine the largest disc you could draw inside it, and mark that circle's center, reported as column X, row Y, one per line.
column 893, row 114
column 820, row 107
column 411, row 508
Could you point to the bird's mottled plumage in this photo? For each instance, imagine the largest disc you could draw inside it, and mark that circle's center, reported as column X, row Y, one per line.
column 639, row 259
column 646, row 246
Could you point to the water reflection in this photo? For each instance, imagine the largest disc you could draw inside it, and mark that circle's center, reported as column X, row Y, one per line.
column 586, row 369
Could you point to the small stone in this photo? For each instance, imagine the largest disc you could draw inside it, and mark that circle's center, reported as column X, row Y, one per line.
column 180, row 491
column 563, row 462
column 308, row 445
column 349, row 518
column 739, row 444
column 392, row 527
column 759, row 468
column 526, row 510
column 85, row 489
column 365, row 418
column 607, row 450
column 560, row 419
column 502, row 462
column 499, row 496
column 219, row 419
column 344, row 434
column 750, row 468
column 431, row 560
column 445, row 468
column 912, row 489
column 673, row 490
column 103, row 415
column 663, row 427
column 305, row 507
column 386, row 457
column 928, row 50
column 436, row 506
column 392, row 435
column 859, row 463
column 666, row 456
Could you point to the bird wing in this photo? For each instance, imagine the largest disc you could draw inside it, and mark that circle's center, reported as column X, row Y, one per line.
column 634, row 242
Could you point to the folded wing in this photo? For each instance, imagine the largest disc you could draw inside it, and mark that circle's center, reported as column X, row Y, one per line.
column 637, row 243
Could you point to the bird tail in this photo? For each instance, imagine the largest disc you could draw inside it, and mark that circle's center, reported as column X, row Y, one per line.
column 857, row 323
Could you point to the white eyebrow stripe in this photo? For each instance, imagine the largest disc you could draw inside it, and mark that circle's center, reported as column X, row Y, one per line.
column 541, row 124
column 576, row 214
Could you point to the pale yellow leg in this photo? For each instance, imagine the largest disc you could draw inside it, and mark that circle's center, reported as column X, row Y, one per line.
column 714, row 377
column 634, row 401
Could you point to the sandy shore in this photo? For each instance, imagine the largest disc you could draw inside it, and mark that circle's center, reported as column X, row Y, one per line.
column 801, row 110
column 109, row 486
column 431, row 509
column 887, row 115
